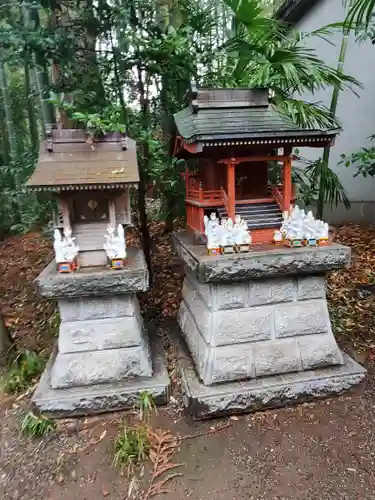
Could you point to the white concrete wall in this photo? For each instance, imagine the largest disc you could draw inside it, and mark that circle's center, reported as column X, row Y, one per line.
column 357, row 114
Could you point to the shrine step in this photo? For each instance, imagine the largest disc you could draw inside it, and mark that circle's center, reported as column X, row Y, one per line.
column 258, row 215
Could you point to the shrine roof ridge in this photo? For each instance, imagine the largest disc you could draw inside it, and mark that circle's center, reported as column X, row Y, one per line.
column 207, row 98
column 220, row 123
column 69, row 161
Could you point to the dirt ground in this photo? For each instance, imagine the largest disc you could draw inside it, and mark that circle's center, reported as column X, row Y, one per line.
column 324, row 450
column 319, row 451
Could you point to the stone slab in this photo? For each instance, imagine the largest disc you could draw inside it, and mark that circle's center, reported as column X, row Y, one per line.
column 96, row 280
column 302, row 318
column 260, row 262
column 89, row 308
column 79, row 401
column 311, row 287
column 258, row 292
column 269, row 392
column 98, row 367
column 100, row 334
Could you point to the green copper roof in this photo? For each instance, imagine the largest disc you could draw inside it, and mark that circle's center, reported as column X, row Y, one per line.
column 220, row 123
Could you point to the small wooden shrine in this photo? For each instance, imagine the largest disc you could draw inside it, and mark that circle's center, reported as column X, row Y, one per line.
column 103, row 360
column 91, row 182
column 235, row 134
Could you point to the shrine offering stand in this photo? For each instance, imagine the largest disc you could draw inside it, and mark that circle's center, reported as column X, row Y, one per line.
column 258, row 329
column 103, row 360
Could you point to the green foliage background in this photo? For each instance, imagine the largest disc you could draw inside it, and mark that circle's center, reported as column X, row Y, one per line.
column 128, row 66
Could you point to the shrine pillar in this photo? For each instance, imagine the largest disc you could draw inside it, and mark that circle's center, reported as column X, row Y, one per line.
column 287, row 193
column 231, row 186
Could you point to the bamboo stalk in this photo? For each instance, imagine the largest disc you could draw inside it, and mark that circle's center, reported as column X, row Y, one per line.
column 11, row 133
column 33, row 125
column 333, row 110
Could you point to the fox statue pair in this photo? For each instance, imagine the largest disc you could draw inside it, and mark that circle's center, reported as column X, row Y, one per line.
column 227, row 233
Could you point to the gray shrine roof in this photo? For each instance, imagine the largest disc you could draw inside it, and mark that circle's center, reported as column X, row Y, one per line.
column 68, row 161
column 222, row 114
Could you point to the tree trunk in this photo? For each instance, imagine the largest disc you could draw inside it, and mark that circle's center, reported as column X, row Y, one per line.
column 39, row 72
column 4, row 144
column 33, row 125
column 6, row 342
column 333, row 110
column 146, row 240
column 8, row 113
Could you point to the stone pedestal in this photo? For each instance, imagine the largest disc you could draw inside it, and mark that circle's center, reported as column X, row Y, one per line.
column 103, row 359
column 258, row 317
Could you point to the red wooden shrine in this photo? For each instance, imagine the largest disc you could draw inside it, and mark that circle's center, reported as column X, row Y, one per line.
column 230, row 137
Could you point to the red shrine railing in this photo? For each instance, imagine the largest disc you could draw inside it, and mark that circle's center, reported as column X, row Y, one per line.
column 200, row 199
column 277, row 194
column 212, row 196
column 224, row 197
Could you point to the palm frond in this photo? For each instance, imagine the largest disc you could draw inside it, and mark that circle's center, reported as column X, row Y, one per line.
column 319, row 172
column 282, row 63
column 324, row 32
column 361, row 12
column 313, row 115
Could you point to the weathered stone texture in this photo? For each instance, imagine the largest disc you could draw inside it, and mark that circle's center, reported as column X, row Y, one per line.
column 99, row 334
column 272, row 358
column 311, row 287
column 271, row 291
column 96, row 367
column 197, row 345
column 204, row 401
column 258, row 329
column 228, row 363
column 276, row 262
column 200, row 311
column 318, row 351
column 244, row 325
column 100, row 398
column 230, row 296
column 89, row 282
column 301, row 318
column 89, row 308
column 234, row 343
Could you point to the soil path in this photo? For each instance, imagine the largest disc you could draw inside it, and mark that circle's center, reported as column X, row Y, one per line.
column 324, row 450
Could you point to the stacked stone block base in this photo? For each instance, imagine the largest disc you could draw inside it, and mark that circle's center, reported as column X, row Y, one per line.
column 101, row 339
column 239, row 331
column 103, row 358
column 206, row 401
column 256, row 328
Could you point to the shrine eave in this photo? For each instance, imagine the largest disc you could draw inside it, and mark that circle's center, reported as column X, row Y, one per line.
column 190, row 147
column 263, row 138
column 82, row 187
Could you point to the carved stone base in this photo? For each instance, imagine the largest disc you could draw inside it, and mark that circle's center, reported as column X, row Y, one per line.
column 76, row 401
column 257, row 327
column 101, row 339
column 103, row 355
column 238, row 331
column 202, row 401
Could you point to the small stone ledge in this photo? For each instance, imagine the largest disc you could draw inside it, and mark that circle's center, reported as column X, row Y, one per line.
column 96, row 280
column 275, row 391
column 259, row 263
